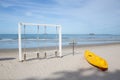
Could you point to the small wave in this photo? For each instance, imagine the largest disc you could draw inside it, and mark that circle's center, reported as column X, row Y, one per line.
column 38, row 39
column 8, row 39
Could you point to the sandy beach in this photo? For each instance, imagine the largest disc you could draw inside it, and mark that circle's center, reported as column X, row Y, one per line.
column 69, row 67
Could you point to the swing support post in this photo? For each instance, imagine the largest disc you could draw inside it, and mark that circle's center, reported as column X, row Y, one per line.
column 60, row 42
column 19, row 42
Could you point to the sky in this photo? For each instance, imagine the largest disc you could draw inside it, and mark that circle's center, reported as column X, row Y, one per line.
column 75, row 16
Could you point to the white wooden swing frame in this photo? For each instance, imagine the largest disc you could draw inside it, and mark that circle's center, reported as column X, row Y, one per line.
column 20, row 25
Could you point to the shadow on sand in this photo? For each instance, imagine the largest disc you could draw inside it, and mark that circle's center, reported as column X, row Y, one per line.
column 82, row 74
column 52, row 56
column 5, row 59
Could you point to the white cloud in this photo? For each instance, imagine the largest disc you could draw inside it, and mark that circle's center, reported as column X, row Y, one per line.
column 28, row 14
column 5, row 5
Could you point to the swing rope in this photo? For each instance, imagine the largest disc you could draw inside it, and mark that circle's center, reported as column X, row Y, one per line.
column 56, row 39
column 24, row 49
column 45, row 34
column 38, row 38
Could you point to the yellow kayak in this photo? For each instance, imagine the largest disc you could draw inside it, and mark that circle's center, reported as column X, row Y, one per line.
column 96, row 60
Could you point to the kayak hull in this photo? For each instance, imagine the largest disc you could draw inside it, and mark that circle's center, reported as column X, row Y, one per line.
column 95, row 60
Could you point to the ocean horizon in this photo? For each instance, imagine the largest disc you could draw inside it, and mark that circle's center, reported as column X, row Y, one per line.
column 10, row 41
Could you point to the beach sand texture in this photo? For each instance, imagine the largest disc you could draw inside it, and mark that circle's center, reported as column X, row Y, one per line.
column 69, row 67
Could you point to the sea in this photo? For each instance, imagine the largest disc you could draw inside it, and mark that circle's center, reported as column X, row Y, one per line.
column 10, row 41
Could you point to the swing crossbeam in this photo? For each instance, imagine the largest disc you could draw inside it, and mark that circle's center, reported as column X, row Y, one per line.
column 20, row 25
column 34, row 24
